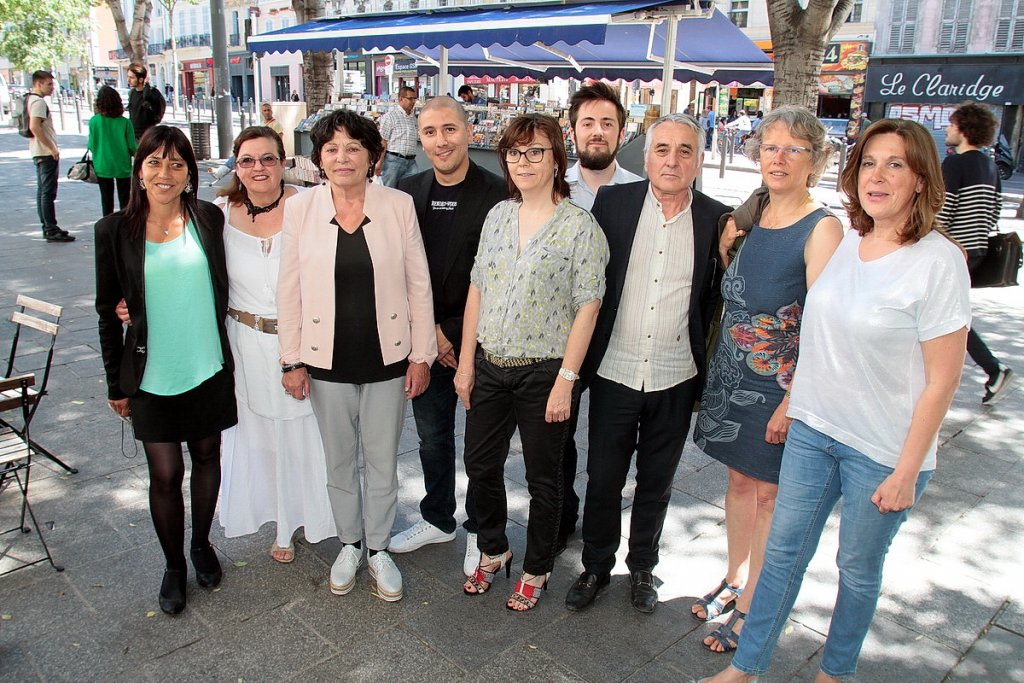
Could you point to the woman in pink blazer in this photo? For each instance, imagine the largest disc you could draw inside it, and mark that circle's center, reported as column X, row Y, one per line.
column 356, row 334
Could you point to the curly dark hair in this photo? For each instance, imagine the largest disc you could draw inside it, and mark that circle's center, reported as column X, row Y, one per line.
column 976, row 123
column 522, row 130
column 923, row 160
column 358, row 127
column 109, row 103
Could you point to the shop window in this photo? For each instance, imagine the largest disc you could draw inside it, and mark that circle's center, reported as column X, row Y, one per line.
column 902, row 26
column 1010, row 26
column 738, row 11
column 856, row 13
column 955, row 27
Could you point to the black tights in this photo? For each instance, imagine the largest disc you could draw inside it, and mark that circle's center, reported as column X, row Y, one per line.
column 166, row 504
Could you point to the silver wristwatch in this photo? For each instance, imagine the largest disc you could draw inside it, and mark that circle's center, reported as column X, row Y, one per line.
column 567, row 374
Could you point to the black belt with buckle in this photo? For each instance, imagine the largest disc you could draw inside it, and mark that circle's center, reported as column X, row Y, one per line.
column 403, row 156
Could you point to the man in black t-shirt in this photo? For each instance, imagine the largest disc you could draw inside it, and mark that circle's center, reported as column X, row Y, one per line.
column 452, row 200
column 145, row 103
column 970, row 212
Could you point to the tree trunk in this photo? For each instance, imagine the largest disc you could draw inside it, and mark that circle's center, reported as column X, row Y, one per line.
column 134, row 43
column 316, row 66
column 799, row 39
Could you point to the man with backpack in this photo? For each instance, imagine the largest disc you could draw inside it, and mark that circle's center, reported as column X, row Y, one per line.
column 145, row 103
column 37, row 125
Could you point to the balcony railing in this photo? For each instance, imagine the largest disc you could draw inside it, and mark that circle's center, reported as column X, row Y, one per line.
column 158, row 48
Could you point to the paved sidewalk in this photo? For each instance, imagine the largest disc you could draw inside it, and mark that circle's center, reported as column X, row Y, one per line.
column 951, row 609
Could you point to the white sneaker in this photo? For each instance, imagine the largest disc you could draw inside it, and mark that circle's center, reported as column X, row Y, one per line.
column 343, row 573
column 472, row 558
column 418, row 535
column 389, row 579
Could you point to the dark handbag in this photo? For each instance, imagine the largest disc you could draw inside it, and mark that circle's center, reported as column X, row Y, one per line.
column 1002, row 262
column 83, row 170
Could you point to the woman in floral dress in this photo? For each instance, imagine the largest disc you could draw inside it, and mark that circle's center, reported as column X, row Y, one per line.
column 742, row 421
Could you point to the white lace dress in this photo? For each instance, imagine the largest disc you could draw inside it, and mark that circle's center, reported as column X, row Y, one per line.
column 272, row 465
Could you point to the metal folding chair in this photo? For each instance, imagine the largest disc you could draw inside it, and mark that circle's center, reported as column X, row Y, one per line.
column 29, row 315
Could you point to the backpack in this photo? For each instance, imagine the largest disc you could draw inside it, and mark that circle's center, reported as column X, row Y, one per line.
column 23, row 117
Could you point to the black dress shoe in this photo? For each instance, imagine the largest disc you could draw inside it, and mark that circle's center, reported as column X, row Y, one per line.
column 208, row 571
column 585, row 590
column 172, row 591
column 642, row 593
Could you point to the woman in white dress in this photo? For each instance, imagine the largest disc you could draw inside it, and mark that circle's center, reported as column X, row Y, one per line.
column 273, row 461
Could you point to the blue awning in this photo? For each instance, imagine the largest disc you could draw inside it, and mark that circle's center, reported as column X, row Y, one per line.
column 707, row 50
column 570, row 24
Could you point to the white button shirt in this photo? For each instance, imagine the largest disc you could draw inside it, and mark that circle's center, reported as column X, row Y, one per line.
column 649, row 349
column 581, row 194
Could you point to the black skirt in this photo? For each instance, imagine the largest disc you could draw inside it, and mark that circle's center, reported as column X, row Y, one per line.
column 206, row 410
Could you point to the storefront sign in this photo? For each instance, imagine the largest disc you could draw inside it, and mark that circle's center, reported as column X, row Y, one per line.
column 945, row 83
column 845, row 57
column 835, row 84
column 498, row 80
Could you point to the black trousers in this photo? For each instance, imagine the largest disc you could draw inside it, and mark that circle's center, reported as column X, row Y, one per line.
column 124, row 186
column 503, row 399
column 976, row 347
column 654, row 425
column 570, row 461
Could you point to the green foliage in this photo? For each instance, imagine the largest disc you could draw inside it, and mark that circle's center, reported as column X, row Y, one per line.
column 37, row 33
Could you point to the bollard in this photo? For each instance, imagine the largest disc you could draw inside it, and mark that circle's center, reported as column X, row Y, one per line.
column 78, row 117
column 721, row 162
column 60, row 111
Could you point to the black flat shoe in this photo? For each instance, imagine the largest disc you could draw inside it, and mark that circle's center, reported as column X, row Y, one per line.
column 208, row 571
column 642, row 593
column 172, row 591
column 585, row 591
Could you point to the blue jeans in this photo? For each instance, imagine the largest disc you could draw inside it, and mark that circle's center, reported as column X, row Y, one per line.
column 395, row 168
column 46, row 193
column 434, row 412
column 816, row 472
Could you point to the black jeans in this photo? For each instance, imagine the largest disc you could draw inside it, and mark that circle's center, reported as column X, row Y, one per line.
column 570, row 460
column 623, row 420
column 434, row 411
column 124, row 186
column 46, row 193
column 503, row 399
column 976, row 348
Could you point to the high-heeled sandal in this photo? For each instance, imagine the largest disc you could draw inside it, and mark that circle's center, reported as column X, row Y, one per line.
column 207, row 566
column 483, row 577
column 526, row 595
column 714, row 604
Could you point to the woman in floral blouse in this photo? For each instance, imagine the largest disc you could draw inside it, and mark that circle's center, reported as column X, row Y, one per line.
column 742, row 422
column 533, row 300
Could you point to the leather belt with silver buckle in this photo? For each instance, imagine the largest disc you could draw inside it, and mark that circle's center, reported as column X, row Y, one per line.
column 507, row 362
column 256, row 322
column 404, row 156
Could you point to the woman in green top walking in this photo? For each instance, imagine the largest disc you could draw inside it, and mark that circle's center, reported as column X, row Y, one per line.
column 112, row 143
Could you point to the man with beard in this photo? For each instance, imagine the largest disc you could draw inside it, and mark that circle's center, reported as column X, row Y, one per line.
column 598, row 123
column 452, row 199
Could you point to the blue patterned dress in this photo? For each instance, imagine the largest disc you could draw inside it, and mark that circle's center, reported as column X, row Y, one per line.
column 764, row 290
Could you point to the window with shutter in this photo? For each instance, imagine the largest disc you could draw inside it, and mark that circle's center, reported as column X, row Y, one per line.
column 1010, row 26
column 955, row 26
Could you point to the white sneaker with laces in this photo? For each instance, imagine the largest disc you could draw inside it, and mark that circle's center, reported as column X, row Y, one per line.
column 472, row 559
column 343, row 573
column 418, row 535
column 386, row 574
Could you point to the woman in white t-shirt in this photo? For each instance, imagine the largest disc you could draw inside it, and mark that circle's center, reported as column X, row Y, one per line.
column 882, row 344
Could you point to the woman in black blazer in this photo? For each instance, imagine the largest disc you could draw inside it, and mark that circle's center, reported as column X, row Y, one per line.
column 171, row 372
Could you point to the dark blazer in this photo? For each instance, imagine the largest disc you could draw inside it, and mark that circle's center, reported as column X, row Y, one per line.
column 119, row 275
column 482, row 190
column 617, row 209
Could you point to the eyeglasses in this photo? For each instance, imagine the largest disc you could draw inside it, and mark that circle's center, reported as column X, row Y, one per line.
column 790, row 151
column 268, row 161
column 407, row 97
column 533, row 155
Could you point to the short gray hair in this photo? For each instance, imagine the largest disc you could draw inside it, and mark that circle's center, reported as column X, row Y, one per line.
column 683, row 120
column 802, row 124
column 446, row 102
